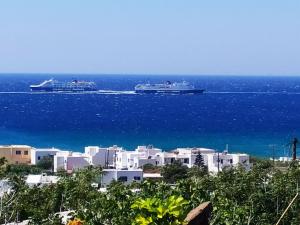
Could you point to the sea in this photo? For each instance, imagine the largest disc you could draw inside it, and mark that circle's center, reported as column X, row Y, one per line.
column 258, row 115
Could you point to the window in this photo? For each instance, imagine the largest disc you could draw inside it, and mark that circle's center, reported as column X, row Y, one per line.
column 221, row 161
column 185, row 160
column 39, row 157
column 25, row 152
column 137, row 178
column 172, row 160
column 231, row 161
column 122, row 179
column 18, row 152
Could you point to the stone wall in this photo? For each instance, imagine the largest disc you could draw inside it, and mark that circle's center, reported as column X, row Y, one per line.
column 200, row 215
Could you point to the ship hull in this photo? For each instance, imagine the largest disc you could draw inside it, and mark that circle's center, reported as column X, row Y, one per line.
column 197, row 91
column 51, row 89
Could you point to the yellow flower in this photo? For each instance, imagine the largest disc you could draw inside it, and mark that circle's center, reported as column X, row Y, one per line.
column 75, row 222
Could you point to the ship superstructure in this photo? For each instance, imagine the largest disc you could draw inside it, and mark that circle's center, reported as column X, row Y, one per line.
column 58, row 86
column 167, row 87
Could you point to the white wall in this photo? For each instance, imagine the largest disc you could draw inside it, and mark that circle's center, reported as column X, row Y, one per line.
column 77, row 162
column 59, row 163
column 38, row 154
column 114, row 174
column 121, row 160
column 69, row 161
column 227, row 160
column 99, row 156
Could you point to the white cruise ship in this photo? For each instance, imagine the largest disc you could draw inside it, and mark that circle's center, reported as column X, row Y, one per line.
column 168, row 87
column 58, row 86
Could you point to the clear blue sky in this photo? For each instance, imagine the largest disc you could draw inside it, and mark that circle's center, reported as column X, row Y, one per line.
column 151, row 36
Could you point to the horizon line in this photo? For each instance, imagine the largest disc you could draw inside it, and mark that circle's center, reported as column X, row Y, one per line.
column 146, row 74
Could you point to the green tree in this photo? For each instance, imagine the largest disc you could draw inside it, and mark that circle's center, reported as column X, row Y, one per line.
column 199, row 162
column 46, row 163
column 3, row 164
column 109, row 208
column 22, row 170
column 174, row 172
column 157, row 211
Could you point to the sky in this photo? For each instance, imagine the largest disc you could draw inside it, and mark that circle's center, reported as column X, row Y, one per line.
column 232, row 37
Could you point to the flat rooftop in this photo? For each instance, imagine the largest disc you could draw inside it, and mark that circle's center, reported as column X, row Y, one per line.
column 15, row 146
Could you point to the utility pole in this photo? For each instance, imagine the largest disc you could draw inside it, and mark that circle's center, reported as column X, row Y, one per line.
column 273, row 152
column 107, row 160
column 218, row 163
column 294, row 146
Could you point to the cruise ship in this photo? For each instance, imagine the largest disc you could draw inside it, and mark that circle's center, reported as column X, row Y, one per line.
column 168, row 87
column 58, row 86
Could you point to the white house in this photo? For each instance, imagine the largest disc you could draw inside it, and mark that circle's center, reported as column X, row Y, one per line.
column 214, row 161
column 126, row 176
column 70, row 161
column 104, row 157
column 117, row 157
column 39, row 153
column 40, row 179
column 138, row 158
column 186, row 156
column 283, row 159
column 194, row 150
column 218, row 161
column 149, row 155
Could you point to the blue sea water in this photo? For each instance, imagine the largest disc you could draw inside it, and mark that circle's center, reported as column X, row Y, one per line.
column 247, row 113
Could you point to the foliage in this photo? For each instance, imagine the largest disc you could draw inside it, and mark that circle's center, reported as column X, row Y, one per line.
column 150, row 168
column 3, row 163
column 22, row 169
column 239, row 197
column 199, row 168
column 157, row 211
column 199, row 162
column 174, row 172
column 45, row 163
column 111, row 208
column 196, row 171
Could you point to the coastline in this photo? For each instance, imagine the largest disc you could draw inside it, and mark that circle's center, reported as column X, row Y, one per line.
column 257, row 146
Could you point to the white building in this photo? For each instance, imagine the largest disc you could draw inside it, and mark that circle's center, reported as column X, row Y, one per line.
column 138, row 158
column 40, row 179
column 126, row 176
column 39, row 153
column 117, row 157
column 149, row 155
column 218, row 161
column 104, row 157
column 283, row 159
column 70, row 161
column 186, row 156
